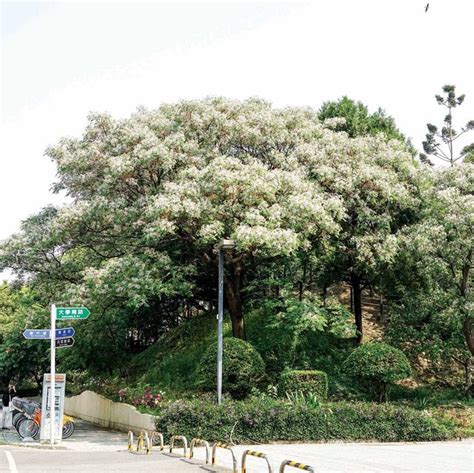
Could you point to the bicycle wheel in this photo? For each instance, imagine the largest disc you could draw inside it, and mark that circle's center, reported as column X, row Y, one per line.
column 17, row 419
column 68, row 429
column 27, row 428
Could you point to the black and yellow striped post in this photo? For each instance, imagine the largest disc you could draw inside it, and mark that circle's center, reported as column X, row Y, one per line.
column 300, row 466
column 227, row 447
column 252, row 453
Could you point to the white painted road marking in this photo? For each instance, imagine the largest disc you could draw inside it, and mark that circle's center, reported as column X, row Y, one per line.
column 11, row 462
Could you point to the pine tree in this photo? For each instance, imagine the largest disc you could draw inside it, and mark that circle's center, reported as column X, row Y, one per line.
column 440, row 143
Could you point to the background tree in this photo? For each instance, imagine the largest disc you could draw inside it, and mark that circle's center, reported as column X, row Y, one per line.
column 434, row 276
column 380, row 185
column 384, row 217
column 20, row 358
column 435, row 138
column 357, row 119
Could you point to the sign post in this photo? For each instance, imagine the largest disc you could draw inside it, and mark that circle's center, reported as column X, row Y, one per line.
column 53, row 370
column 60, row 338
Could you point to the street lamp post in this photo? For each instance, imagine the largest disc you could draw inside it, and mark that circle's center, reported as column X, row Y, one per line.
column 224, row 245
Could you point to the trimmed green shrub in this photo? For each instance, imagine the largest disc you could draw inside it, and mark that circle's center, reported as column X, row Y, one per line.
column 304, row 381
column 378, row 364
column 266, row 420
column 242, row 368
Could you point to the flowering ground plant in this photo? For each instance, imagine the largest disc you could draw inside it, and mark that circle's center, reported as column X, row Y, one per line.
column 142, row 397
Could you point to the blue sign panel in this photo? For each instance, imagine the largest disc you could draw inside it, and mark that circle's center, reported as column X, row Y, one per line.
column 40, row 334
column 65, row 332
column 45, row 334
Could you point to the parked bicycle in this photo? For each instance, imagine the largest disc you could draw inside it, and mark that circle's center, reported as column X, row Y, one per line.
column 27, row 419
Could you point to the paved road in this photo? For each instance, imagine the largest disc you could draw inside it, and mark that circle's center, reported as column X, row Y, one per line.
column 436, row 457
column 30, row 460
column 424, row 457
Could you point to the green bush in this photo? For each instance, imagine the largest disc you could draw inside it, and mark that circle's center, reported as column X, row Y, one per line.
column 378, row 364
column 304, row 381
column 242, row 368
column 293, row 334
column 266, row 420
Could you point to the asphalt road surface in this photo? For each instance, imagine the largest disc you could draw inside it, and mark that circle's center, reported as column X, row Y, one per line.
column 432, row 457
column 30, row 460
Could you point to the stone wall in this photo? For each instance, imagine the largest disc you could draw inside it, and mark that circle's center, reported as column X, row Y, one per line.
column 101, row 411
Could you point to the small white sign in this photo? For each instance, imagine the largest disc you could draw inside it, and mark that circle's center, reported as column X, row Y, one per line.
column 60, row 390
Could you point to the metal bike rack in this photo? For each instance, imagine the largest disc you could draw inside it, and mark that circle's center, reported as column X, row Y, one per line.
column 294, row 464
column 179, row 437
column 252, row 453
column 200, row 442
column 153, row 437
column 227, row 447
column 143, row 442
column 130, row 440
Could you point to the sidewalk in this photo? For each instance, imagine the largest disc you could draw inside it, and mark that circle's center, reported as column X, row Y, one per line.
column 87, row 437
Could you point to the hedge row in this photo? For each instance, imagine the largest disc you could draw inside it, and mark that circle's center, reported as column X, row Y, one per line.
column 305, row 381
column 267, row 420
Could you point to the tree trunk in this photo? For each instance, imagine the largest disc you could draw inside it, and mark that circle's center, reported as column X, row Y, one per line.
column 469, row 337
column 468, row 377
column 468, row 334
column 233, row 293
column 383, row 392
column 357, row 294
column 38, row 380
column 467, row 328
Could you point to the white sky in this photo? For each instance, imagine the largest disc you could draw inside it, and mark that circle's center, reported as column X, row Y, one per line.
column 60, row 60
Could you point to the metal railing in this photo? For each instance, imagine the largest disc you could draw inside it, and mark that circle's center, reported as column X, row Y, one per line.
column 130, row 440
column 154, row 436
column 183, row 439
column 146, row 441
column 294, row 464
column 143, row 442
column 200, row 442
column 227, row 447
column 252, row 453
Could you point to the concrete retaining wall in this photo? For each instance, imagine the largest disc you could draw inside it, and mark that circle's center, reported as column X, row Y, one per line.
column 99, row 410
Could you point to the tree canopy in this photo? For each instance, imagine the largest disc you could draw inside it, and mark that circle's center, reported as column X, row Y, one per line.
column 154, row 194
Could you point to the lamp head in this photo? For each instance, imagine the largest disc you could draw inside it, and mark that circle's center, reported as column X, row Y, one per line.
column 227, row 245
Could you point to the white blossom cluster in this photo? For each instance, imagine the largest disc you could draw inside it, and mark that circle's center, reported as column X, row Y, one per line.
column 273, row 180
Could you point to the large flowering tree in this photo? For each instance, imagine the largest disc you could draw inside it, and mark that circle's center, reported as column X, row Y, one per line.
column 154, row 194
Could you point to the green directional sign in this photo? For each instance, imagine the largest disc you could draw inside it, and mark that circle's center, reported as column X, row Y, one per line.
column 67, row 313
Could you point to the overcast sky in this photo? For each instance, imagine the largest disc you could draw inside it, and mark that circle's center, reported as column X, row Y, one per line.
column 61, row 60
